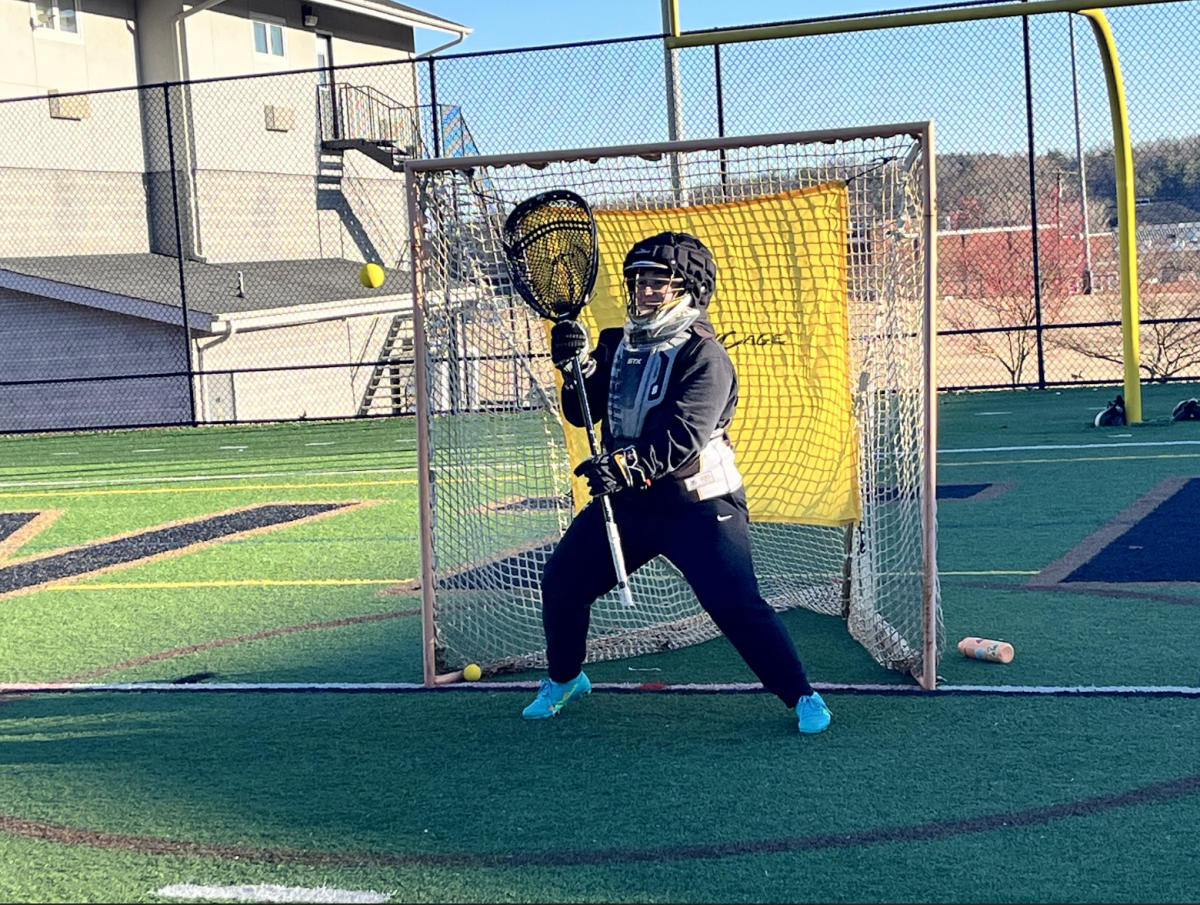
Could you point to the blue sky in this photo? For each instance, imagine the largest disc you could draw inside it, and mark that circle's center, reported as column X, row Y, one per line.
column 504, row 24
column 967, row 78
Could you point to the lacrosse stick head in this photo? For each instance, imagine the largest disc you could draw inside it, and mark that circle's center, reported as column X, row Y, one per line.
column 550, row 245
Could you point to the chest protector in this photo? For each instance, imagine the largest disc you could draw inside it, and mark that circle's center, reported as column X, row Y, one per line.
column 638, row 385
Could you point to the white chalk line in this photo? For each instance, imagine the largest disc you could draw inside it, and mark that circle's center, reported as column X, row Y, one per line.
column 268, row 893
column 992, row 449
column 239, row 476
column 617, row 687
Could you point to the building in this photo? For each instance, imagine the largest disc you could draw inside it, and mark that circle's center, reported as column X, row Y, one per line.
column 164, row 163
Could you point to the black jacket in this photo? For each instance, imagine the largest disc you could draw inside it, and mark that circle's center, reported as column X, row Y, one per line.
column 701, row 395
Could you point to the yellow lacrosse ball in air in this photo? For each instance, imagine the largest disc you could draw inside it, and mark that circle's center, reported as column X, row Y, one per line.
column 371, row 276
column 471, row 672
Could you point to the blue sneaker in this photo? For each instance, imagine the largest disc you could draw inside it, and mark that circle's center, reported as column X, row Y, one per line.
column 553, row 696
column 814, row 715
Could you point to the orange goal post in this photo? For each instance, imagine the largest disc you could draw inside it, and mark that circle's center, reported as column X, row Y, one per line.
column 825, row 245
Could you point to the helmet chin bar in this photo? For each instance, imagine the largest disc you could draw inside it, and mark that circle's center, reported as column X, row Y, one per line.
column 660, row 313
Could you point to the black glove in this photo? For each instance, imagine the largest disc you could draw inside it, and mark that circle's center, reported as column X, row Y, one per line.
column 610, row 472
column 569, row 341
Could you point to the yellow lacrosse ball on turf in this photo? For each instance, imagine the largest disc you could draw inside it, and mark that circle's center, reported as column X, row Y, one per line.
column 371, row 276
column 471, row 672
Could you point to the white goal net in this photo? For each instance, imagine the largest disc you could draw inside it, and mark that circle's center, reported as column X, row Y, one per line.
column 825, row 249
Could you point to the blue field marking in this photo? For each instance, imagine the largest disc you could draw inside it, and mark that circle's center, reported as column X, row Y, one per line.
column 1163, row 545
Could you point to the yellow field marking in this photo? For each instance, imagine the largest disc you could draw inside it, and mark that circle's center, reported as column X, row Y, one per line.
column 942, row 464
column 236, row 583
column 137, row 490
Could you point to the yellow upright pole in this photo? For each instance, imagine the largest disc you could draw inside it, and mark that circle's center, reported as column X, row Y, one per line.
column 1127, row 226
column 670, row 10
column 1126, row 217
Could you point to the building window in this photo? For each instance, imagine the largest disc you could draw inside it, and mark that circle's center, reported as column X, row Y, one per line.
column 268, row 37
column 56, row 15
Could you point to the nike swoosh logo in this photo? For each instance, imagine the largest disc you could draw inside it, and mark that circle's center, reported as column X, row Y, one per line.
column 724, row 518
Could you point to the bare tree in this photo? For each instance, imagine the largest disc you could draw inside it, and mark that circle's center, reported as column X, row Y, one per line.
column 1169, row 348
column 990, row 276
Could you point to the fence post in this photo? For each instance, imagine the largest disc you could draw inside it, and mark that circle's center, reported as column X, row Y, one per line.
column 187, row 330
column 721, row 118
column 1083, row 195
column 435, row 110
column 1033, row 211
column 670, row 14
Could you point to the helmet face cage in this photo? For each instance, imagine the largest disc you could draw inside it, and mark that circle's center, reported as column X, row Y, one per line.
column 680, row 255
column 651, row 291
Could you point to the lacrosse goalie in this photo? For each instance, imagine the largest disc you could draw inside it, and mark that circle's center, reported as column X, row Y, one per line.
column 667, row 392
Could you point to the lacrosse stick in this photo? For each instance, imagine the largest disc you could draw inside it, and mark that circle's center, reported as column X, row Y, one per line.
column 550, row 244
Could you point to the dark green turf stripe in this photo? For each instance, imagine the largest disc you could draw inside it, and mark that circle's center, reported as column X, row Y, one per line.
column 97, row 557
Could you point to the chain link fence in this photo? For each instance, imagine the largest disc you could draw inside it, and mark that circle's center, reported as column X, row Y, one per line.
column 190, row 253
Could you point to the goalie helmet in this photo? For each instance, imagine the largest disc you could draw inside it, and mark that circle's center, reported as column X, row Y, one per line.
column 679, row 256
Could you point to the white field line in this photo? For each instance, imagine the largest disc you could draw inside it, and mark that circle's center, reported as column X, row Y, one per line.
column 991, row 449
column 617, row 687
column 228, row 583
column 109, row 482
column 989, row 572
column 267, row 893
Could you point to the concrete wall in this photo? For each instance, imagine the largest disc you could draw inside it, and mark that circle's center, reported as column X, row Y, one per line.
column 93, row 173
column 247, row 216
column 339, row 356
column 220, row 40
column 72, row 168
column 101, row 55
column 263, row 188
column 51, row 340
column 310, row 371
column 72, row 212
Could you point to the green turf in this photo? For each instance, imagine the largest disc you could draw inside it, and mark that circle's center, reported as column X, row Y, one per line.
column 1056, row 416
column 628, row 778
column 459, row 774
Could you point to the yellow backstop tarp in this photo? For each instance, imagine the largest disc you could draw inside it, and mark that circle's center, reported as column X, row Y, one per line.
column 780, row 311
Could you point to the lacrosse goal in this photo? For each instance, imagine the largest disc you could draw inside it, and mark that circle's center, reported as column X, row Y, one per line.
column 825, row 247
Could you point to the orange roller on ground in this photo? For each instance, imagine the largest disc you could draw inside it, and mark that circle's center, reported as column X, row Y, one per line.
column 986, row 649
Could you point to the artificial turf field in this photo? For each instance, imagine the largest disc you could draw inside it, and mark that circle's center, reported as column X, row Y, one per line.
column 449, row 796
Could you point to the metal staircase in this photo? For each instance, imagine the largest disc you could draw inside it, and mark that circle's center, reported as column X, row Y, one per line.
column 391, row 389
column 363, row 118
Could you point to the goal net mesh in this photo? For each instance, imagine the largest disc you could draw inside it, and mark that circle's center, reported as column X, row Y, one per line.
column 821, row 302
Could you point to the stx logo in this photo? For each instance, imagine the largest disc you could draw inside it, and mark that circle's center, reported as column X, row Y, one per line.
column 21, row 576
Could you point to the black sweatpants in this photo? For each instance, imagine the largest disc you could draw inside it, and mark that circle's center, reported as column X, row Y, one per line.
column 708, row 541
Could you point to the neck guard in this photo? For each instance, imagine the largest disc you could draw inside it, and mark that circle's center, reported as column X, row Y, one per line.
column 679, row 320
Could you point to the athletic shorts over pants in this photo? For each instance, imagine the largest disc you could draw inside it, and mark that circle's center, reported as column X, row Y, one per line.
column 708, row 541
